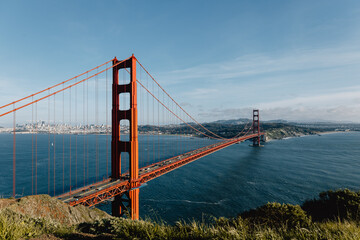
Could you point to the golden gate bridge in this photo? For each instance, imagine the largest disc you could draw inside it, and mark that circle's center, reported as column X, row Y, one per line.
column 78, row 169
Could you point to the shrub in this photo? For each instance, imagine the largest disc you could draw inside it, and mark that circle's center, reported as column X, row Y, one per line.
column 278, row 215
column 125, row 228
column 13, row 227
column 339, row 204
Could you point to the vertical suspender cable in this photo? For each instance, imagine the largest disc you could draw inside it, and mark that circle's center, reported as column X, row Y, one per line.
column 153, row 125
column 106, row 123
column 87, row 129
column 55, row 128
column 49, row 144
column 14, row 152
column 36, row 132
column 179, row 130
column 183, row 129
column 148, row 122
column 96, row 129
column 177, row 122
column 163, row 112
column 32, row 147
column 76, row 134
column 84, row 148
column 158, row 132
column 184, row 139
column 70, row 138
column 63, row 139
column 84, row 124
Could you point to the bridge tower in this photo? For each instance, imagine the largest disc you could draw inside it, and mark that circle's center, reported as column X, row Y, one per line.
column 128, row 201
column 256, row 127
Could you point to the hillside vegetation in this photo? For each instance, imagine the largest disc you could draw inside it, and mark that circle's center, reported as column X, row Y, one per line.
column 280, row 131
column 232, row 129
column 333, row 215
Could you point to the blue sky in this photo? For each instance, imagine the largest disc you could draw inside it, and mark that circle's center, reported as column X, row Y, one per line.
column 295, row 60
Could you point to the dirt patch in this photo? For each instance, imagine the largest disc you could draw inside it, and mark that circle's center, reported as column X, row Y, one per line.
column 6, row 202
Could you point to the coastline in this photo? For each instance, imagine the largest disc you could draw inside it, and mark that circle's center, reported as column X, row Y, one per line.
column 94, row 133
column 332, row 132
column 304, row 135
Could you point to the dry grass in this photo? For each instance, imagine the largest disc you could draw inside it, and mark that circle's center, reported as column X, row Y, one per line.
column 15, row 227
column 221, row 229
column 29, row 218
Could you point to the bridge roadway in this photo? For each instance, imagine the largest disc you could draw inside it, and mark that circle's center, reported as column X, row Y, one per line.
column 107, row 189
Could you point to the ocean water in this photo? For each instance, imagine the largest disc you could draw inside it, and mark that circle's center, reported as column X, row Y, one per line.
column 225, row 183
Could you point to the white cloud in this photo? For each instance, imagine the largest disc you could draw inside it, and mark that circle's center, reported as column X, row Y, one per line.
column 348, row 98
column 201, row 92
column 257, row 64
column 340, row 106
column 296, row 85
column 339, row 113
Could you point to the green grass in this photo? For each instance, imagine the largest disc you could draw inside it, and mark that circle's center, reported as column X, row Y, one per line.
column 270, row 221
column 222, row 229
column 14, row 226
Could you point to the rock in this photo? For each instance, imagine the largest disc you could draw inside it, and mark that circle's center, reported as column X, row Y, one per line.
column 51, row 210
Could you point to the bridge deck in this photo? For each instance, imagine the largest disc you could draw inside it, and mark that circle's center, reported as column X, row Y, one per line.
column 109, row 188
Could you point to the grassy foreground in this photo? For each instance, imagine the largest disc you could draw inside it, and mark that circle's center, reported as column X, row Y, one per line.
column 333, row 215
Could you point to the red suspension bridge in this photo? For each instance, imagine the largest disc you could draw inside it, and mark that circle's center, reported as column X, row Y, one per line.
column 64, row 145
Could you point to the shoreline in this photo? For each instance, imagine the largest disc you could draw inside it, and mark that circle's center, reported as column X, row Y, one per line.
column 332, row 132
column 304, row 135
column 93, row 133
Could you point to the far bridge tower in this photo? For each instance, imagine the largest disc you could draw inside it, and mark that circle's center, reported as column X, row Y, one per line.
column 256, row 127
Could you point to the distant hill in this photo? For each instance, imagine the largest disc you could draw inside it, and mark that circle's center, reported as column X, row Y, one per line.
column 276, row 121
column 233, row 121
column 299, row 122
column 246, row 120
column 275, row 129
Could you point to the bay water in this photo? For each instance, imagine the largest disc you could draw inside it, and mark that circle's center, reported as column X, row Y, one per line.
column 224, row 183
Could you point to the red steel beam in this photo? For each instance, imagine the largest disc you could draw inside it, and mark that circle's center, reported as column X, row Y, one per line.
column 78, row 190
column 115, row 124
column 102, row 195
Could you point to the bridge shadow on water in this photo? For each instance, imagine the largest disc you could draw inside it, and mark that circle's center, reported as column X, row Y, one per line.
column 239, row 176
